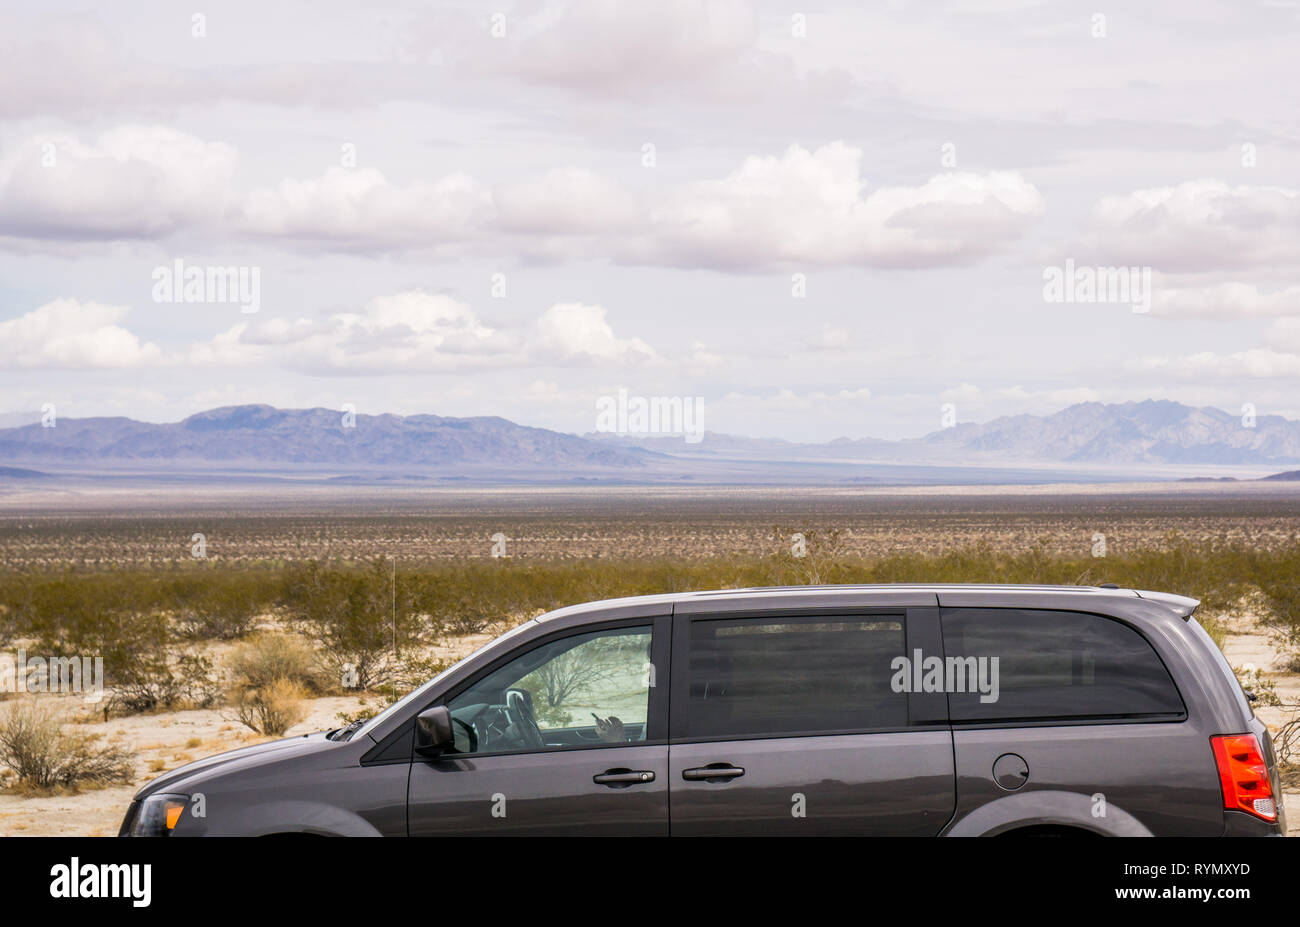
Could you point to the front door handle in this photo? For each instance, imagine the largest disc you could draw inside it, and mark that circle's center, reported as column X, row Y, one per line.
column 714, row 772
column 623, row 777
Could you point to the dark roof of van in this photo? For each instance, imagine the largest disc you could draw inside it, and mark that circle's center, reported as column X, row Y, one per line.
column 894, row 594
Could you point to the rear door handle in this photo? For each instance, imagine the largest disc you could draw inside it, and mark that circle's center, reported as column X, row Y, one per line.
column 714, row 772
column 624, row 777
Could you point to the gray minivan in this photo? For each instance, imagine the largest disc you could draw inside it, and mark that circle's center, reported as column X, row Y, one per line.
column 869, row 710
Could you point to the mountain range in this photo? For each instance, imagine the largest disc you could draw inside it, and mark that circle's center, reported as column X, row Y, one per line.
column 325, row 443
column 259, row 435
column 1147, row 432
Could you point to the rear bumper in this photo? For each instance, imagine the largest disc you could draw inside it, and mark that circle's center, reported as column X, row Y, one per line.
column 1240, row 824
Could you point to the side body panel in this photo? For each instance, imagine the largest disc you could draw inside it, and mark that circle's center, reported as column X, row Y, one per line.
column 550, row 793
column 1123, row 779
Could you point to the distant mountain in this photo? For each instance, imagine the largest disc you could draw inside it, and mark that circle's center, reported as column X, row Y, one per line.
column 259, row 435
column 1289, row 475
column 1152, row 431
column 1148, row 432
column 1088, row 438
column 20, row 473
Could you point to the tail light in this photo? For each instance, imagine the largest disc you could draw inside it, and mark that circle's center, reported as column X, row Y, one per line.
column 1244, row 775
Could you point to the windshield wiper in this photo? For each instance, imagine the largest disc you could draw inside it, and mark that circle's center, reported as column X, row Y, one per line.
column 345, row 733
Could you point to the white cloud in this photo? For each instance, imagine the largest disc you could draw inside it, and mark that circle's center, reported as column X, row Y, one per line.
column 1261, row 363
column 67, row 333
column 802, row 209
column 1199, row 225
column 359, row 208
column 420, row 332
column 574, row 331
column 407, row 332
column 808, row 208
column 412, row 331
column 131, row 182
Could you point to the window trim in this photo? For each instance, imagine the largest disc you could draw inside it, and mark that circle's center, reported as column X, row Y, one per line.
column 656, row 709
column 1071, row 720
column 914, row 634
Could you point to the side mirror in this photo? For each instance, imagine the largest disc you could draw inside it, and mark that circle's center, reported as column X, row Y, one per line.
column 433, row 733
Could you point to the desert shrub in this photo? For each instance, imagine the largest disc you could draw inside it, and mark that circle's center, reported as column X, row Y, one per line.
column 1255, row 682
column 160, row 681
column 40, row 756
column 1278, row 578
column 268, row 657
column 415, row 670
column 142, row 667
column 220, row 615
column 207, row 603
column 217, row 604
column 70, row 612
column 133, row 617
column 364, row 619
column 271, row 709
column 1287, row 742
column 814, row 556
column 365, row 711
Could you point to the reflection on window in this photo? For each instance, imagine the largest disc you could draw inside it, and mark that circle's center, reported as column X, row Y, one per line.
column 586, row 690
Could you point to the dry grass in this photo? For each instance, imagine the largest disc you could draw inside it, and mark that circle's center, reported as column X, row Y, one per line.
column 41, row 757
column 271, row 709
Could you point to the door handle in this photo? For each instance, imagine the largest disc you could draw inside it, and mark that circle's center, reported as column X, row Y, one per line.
column 618, row 777
column 714, row 772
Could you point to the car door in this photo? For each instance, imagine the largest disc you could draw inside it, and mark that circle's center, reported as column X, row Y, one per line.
column 564, row 735
column 803, row 723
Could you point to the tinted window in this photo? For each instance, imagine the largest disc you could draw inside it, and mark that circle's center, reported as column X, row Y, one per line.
column 792, row 676
column 1057, row 665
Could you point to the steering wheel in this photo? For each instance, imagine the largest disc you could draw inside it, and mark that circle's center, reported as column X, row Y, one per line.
column 521, row 716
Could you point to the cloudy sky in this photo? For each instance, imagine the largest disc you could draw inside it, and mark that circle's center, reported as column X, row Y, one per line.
column 823, row 218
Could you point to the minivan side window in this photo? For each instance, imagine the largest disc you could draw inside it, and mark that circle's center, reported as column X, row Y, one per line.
column 790, row 675
column 585, row 690
column 1056, row 665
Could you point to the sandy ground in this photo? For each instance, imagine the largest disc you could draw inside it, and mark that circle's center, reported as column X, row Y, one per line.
column 160, row 742
column 163, row 742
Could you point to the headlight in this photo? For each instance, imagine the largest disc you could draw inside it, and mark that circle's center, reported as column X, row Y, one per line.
column 158, row 815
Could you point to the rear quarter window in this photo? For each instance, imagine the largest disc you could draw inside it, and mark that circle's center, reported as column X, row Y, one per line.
column 1056, row 665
